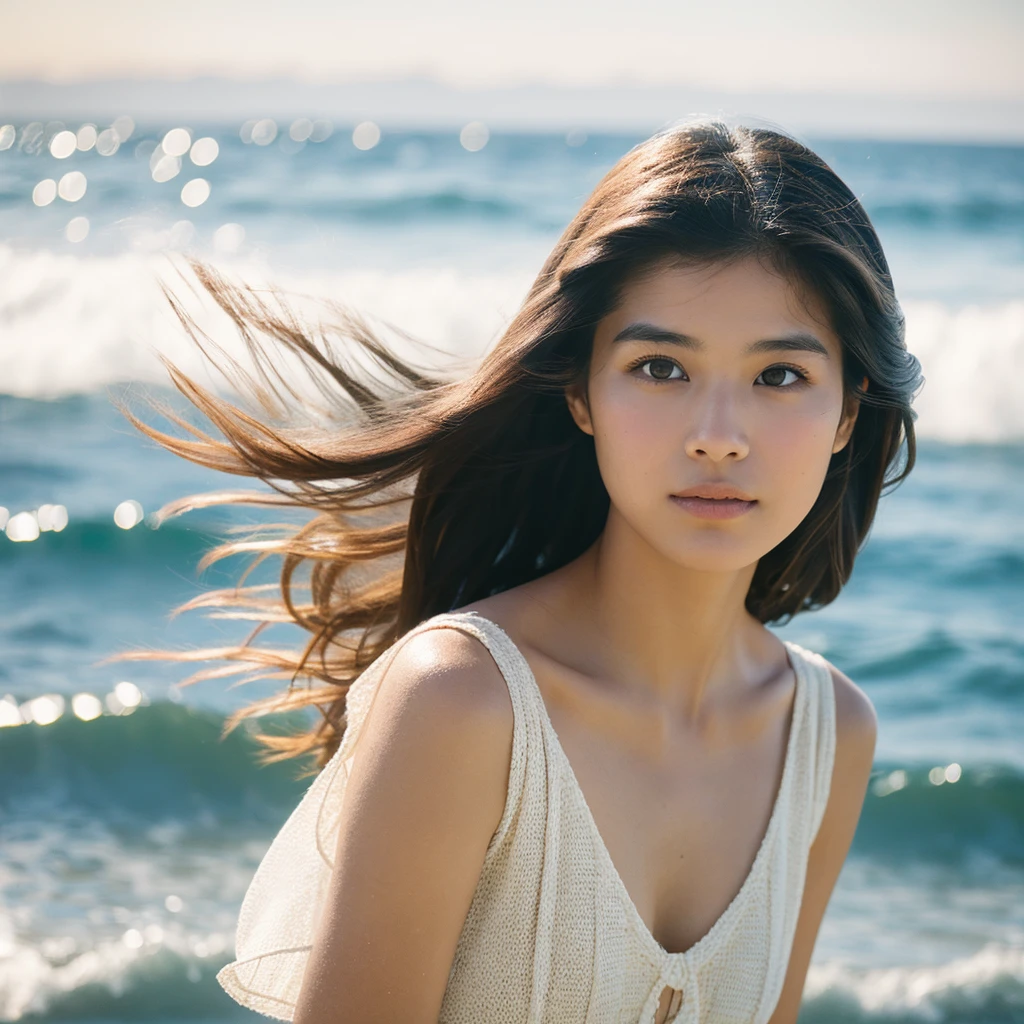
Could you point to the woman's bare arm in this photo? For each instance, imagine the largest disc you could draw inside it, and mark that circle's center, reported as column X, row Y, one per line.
column 856, row 728
column 426, row 794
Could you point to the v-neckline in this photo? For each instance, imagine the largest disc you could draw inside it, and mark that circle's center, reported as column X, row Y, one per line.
column 655, row 948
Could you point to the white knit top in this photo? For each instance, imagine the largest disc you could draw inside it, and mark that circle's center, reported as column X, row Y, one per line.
column 552, row 935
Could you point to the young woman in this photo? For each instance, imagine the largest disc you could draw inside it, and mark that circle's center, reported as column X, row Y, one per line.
column 567, row 773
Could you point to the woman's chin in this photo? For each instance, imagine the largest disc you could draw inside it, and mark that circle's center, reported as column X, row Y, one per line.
column 718, row 556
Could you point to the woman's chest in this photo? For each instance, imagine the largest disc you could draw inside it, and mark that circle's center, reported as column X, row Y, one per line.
column 682, row 829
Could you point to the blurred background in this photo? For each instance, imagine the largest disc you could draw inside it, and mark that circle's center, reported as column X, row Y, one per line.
column 417, row 162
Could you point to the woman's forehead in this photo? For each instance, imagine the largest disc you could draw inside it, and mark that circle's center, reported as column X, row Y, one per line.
column 745, row 299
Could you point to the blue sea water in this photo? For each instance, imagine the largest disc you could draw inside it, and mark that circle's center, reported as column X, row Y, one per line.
column 127, row 841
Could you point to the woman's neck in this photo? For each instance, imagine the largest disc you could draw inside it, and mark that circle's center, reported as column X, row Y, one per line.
column 682, row 634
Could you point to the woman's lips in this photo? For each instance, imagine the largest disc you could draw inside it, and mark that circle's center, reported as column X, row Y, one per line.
column 713, row 508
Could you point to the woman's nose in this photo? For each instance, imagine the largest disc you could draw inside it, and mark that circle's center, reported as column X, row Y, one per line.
column 716, row 430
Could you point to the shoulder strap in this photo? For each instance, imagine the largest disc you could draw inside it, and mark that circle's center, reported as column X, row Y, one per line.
column 363, row 690
column 820, row 724
column 515, row 672
column 506, row 655
column 512, row 666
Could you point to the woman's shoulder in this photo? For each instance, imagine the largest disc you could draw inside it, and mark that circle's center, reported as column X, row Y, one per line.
column 851, row 754
column 440, row 706
column 442, row 670
column 856, row 719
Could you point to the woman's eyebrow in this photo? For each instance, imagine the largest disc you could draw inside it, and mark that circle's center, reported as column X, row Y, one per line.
column 642, row 331
column 799, row 341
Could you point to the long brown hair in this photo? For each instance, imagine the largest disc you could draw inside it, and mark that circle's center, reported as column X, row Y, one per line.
column 430, row 492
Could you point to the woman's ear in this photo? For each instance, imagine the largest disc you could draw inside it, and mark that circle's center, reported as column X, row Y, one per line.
column 851, row 407
column 579, row 409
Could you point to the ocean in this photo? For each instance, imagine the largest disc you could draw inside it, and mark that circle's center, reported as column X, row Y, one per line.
column 129, row 832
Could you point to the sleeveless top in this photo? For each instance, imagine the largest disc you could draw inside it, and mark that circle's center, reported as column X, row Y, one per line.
column 552, row 935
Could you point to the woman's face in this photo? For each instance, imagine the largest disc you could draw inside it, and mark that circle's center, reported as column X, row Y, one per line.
column 715, row 402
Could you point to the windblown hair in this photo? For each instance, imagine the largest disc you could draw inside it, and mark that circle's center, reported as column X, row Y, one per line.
column 430, row 493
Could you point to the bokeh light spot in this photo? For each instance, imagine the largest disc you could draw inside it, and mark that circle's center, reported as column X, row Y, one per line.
column 300, row 130
column 52, row 517
column 163, row 166
column 45, row 192
column 47, row 709
column 474, row 136
column 264, row 132
column 229, row 238
column 8, row 133
column 322, row 130
column 85, row 137
column 891, row 783
column 63, row 144
column 174, row 904
column 937, row 775
column 181, row 234
column 10, row 715
column 107, row 142
column 77, row 229
column 953, row 772
column 31, row 140
column 123, row 127
column 72, row 186
column 204, row 151
column 176, row 142
column 128, row 694
column 22, row 528
column 86, row 706
column 128, row 514
column 195, row 192
column 365, row 135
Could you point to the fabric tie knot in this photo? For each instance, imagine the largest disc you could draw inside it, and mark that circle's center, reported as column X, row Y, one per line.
column 677, row 973
column 684, row 1006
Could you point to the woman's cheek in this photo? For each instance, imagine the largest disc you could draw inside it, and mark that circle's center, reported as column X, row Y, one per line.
column 634, row 450
column 796, row 452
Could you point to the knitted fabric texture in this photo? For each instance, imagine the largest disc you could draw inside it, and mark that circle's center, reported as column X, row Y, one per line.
column 552, row 935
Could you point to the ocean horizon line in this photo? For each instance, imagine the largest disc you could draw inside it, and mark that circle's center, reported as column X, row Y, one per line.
column 424, row 102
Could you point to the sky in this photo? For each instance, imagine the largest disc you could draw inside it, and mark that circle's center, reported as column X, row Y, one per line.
column 969, row 49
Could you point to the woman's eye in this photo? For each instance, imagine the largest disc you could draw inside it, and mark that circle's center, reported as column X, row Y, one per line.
column 661, row 369
column 780, row 376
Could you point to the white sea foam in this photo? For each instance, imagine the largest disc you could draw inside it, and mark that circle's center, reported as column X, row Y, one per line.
column 973, row 361
column 161, row 906
column 35, row 976
column 954, row 989
column 142, row 964
column 71, row 324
